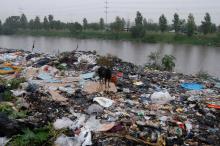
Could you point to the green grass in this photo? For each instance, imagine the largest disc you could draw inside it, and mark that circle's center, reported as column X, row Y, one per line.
column 30, row 138
column 150, row 37
column 7, row 109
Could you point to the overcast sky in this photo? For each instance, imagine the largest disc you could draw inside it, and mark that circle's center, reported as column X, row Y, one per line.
column 76, row 10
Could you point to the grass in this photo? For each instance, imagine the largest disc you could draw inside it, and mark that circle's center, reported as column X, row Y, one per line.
column 44, row 136
column 7, row 109
column 150, row 37
column 30, row 138
column 8, row 85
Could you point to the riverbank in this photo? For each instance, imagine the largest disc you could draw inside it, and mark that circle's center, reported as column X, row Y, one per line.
column 150, row 37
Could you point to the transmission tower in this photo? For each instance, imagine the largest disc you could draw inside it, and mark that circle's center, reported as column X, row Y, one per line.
column 106, row 12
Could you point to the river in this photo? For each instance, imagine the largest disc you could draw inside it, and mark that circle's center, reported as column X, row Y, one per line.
column 189, row 59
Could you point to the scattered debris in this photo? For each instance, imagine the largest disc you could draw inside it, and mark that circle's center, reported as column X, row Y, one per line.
column 141, row 106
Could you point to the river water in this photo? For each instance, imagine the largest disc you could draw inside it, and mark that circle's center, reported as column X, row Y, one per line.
column 189, row 59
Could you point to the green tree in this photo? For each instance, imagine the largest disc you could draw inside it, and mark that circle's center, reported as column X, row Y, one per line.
column 23, row 21
column 117, row 26
column 31, row 24
column 213, row 28
column 11, row 24
column 138, row 30
column 163, row 23
column 37, row 24
column 101, row 23
column 128, row 24
column 183, row 26
column 75, row 28
column 176, row 23
column 168, row 62
column 191, row 26
column 206, row 24
column 46, row 23
column 123, row 23
column 138, row 19
column 51, row 21
column 0, row 27
column 94, row 26
column 145, row 22
column 85, row 23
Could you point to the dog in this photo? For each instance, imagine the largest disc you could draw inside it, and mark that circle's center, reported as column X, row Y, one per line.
column 105, row 75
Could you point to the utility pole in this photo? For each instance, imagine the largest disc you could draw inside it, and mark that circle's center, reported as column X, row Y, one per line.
column 106, row 12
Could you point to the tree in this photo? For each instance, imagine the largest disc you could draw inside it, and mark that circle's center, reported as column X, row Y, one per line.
column 138, row 30
column 123, row 22
column 117, row 26
column 168, row 62
column 219, row 28
column 85, row 23
column 101, row 23
column 206, row 24
column 191, row 26
column 75, row 28
column 163, row 23
column 11, row 24
column 46, row 23
column 31, row 24
column 94, row 26
column 0, row 27
column 183, row 26
column 213, row 28
column 37, row 24
column 23, row 21
column 128, row 25
column 50, row 18
column 176, row 23
column 139, row 19
column 145, row 22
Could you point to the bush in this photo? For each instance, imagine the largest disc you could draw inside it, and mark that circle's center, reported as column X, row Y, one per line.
column 138, row 31
column 75, row 28
column 168, row 62
column 30, row 138
column 7, row 109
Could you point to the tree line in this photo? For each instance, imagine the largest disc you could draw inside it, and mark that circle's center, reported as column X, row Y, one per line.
column 138, row 30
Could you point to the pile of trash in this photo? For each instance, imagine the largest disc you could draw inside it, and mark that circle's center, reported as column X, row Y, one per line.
column 58, row 100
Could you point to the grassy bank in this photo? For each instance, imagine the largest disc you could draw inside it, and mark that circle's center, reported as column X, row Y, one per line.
column 150, row 37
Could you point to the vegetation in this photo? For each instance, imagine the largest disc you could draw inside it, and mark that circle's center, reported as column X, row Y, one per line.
column 138, row 30
column 186, row 31
column 7, row 85
column 154, row 60
column 163, row 23
column 33, row 138
column 37, row 137
column 7, row 109
column 191, row 26
column 168, row 62
column 176, row 23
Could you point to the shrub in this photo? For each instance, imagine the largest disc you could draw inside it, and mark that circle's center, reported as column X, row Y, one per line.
column 168, row 62
column 138, row 31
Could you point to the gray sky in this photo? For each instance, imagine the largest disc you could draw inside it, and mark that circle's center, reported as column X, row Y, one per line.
column 76, row 10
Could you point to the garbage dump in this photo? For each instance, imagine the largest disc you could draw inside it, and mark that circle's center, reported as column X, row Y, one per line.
column 60, row 100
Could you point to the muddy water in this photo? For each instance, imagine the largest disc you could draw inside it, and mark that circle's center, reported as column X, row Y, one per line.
column 190, row 59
